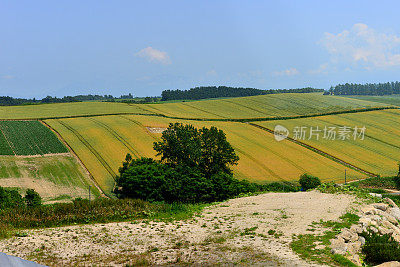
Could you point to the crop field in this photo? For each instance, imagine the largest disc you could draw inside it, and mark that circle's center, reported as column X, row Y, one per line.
column 102, row 143
column 28, row 138
column 274, row 105
column 57, row 177
column 66, row 110
column 386, row 99
column 378, row 153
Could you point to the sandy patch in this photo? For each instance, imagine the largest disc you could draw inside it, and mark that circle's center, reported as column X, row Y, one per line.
column 236, row 231
column 46, row 189
column 156, row 129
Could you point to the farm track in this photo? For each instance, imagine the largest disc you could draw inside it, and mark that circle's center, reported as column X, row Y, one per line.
column 316, row 150
column 119, row 137
column 91, row 149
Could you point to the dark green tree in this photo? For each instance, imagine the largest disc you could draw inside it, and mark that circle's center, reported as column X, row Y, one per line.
column 204, row 149
column 32, row 198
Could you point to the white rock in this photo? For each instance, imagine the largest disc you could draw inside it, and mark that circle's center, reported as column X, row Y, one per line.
column 389, row 264
column 395, row 212
column 362, row 240
column 356, row 229
column 391, row 202
column 376, row 195
column 380, row 206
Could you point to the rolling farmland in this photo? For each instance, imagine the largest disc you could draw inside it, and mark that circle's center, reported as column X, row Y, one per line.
column 262, row 106
column 379, row 152
column 66, row 110
column 101, row 134
column 104, row 141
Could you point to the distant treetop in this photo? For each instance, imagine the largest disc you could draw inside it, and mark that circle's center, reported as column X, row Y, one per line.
column 204, row 92
column 388, row 88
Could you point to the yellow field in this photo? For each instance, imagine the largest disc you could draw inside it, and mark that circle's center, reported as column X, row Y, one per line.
column 261, row 157
column 275, row 105
column 379, row 152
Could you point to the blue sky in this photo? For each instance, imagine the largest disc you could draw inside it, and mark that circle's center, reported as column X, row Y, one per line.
column 115, row 47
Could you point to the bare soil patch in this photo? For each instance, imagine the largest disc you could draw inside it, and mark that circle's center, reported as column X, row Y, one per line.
column 156, row 129
column 249, row 230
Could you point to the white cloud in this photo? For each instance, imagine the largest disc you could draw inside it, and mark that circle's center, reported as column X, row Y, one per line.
column 154, row 55
column 363, row 46
column 288, row 72
column 211, row 73
column 8, row 77
column 323, row 68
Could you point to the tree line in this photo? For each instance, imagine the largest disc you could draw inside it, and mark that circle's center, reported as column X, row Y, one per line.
column 388, row 88
column 11, row 101
column 204, row 92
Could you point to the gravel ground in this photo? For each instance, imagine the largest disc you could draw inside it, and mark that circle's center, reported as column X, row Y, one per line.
column 250, row 230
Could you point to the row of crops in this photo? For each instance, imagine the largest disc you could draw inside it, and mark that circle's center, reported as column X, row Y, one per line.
column 28, row 138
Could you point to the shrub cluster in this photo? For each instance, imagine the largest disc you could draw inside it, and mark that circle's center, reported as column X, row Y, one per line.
column 308, row 181
column 380, row 248
column 151, row 180
column 11, row 199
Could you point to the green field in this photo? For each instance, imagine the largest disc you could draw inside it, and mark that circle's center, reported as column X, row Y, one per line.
column 275, row 105
column 262, row 106
column 28, row 138
column 54, row 177
column 378, row 153
column 66, row 110
column 385, row 99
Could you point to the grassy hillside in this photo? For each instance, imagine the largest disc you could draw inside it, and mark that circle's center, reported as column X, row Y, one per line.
column 276, row 105
column 102, row 143
column 385, row 99
column 55, row 177
column 379, row 152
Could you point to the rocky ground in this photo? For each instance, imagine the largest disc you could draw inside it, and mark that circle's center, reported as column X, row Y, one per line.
column 247, row 230
column 382, row 218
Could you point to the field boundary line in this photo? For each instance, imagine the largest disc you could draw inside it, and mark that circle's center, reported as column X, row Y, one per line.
column 318, row 151
column 72, row 151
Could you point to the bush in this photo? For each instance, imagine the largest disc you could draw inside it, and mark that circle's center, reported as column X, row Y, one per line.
column 396, row 180
column 308, row 181
column 151, row 180
column 380, row 248
column 32, row 198
column 281, row 187
column 10, row 198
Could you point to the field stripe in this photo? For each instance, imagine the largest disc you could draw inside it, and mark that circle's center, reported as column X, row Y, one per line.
column 76, row 156
column 202, row 110
column 316, row 150
column 140, row 125
column 91, row 149
column 117, row 136
column 8, row 142
column 259, row 163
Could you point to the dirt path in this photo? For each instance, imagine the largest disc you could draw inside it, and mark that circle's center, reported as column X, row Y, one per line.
column 236, row 231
